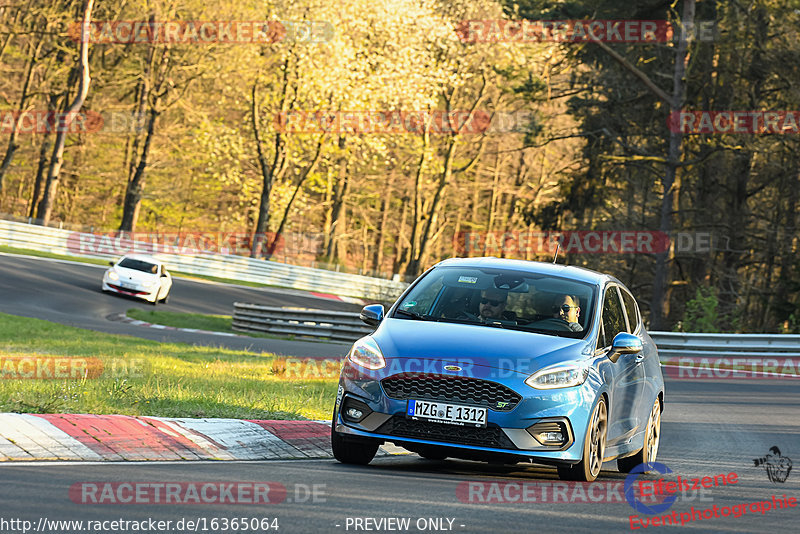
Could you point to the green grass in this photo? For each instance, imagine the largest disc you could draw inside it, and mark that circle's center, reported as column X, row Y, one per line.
column 93, row 261
column 214, row 323
column 143, row 377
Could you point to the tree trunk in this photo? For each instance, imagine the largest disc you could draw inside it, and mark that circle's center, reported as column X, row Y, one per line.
column 433, row 212
column 57, row 160
column 306, row 172
column 269, row 173
column 417, row 212
column 380, row 241
column 342, row 186
column 133, row 194
column 149, row 97
column 12, row 138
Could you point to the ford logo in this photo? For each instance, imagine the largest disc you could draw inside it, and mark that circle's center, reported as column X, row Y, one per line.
column 452, row 368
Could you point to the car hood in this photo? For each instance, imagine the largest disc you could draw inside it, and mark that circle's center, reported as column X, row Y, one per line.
column 481, row 346
column 134, row 276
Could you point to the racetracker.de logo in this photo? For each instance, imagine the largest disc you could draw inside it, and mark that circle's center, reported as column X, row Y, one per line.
column 189, row 31
column 38, row 367
column 193, row 243
column 581, row 241
column 564, row 31
column 384, row 122
column 42, row 121
column 611, row 491
column 734, row 122
column 700, row 368
column 177, row 493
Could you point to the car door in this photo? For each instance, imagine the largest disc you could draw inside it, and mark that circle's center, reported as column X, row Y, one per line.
column 649, row 356
column 628, row 376
column 165, row 280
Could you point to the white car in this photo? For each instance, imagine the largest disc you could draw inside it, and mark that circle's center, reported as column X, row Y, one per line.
column 139, row 276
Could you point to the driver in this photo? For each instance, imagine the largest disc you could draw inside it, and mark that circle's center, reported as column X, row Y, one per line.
column 493, row 305
column 567, row 308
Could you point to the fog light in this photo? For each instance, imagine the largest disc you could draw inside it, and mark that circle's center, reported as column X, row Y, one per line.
column 551, row 433
column 355, row 413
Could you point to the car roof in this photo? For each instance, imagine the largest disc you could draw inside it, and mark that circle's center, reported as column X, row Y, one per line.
column 141, row 257
column 555, row 269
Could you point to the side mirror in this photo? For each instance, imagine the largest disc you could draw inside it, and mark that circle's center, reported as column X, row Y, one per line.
column 111, row 263
column 624, row 343
column 372, row 314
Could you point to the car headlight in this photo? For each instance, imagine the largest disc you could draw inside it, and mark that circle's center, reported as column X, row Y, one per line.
column 112, row 275
column 366, row 353
column 563, row 376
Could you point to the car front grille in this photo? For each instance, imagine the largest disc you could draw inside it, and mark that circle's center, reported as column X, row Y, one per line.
column 454, row 389
column 492, row 437
column 126, row 290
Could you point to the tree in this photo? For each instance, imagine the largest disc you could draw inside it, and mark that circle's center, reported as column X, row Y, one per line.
column 82, row 73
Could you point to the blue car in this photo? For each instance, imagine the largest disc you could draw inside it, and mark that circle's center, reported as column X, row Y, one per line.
column 505, row 361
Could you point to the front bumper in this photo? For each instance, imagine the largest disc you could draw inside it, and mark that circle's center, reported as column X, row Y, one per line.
column 135, row 291
column 509, row 432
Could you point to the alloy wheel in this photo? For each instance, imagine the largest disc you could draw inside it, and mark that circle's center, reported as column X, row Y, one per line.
column 653, row 432
column 598, row 438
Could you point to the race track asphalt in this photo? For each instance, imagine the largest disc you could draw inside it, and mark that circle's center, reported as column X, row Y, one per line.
column 710, row 427
column 69, row 293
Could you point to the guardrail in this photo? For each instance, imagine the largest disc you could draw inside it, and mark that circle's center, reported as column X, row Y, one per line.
column 337, row 326
column 346, row 326
column 680, row 344
column 64, row 242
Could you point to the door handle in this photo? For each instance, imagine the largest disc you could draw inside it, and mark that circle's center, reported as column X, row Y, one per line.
column 639, row 358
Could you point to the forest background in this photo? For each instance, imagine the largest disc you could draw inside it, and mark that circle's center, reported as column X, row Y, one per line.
column 212, row 136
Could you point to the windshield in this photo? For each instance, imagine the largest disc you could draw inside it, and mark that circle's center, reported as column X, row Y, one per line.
column 139, row 265
column 501, row 298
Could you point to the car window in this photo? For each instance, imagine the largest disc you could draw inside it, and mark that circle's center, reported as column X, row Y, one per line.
column 139, row 265
column 613, row 318
column 631, row 310
column 518, row 300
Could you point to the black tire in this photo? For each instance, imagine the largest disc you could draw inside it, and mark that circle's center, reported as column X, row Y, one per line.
column 352, row 450
column 165, row 300
column 652, row 437
column 594, row 446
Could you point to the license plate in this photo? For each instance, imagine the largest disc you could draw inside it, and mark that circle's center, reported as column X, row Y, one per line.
column 451, row 414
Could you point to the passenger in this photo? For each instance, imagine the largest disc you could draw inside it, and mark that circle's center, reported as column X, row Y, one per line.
column 493, row 306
